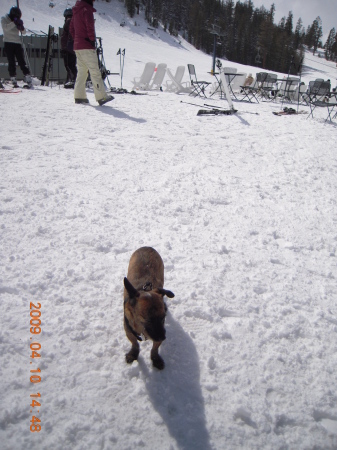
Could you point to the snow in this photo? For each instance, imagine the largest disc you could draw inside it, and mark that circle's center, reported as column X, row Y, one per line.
column 242, row 210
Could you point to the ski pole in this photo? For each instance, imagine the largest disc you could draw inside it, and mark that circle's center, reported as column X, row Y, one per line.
column 122, row 69
column 213, row 106
column 287, row 81
column 188, row 103
column 299, row 86
column 120, row 63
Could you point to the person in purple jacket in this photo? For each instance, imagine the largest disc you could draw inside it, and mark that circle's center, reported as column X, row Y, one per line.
column 82, row 29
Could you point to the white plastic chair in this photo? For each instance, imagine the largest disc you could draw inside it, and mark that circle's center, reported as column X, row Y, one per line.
column 143, row 81
column 175, row 84
column 171, row 85
column 158, row 77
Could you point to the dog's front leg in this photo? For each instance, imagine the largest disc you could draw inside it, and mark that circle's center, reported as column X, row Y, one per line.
column 157, row 360
column 134, row 352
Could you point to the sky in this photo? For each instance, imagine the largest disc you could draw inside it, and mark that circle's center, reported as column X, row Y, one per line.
column 308, row 10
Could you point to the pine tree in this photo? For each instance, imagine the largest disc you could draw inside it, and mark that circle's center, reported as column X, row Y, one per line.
column 334, row 49
column 289, row 24
column 329, row 45
column 316, row 32
column 131, row 7
column 299, row 33
column 265, row 35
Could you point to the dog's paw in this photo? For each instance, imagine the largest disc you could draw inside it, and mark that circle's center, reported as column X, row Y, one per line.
column 130, row 357
column 158, row 362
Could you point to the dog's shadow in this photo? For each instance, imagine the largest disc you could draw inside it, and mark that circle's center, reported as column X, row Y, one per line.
column 175, row 392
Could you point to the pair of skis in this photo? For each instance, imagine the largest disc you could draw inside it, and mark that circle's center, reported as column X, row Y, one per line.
column 10, row 90
column 48, row 60
column 212, row 110
column 216, row 111
column 288, row 112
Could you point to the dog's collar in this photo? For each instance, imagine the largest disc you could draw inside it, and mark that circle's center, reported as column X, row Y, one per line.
column 138, row 337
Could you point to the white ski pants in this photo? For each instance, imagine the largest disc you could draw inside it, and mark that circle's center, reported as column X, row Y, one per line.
column 87, row 61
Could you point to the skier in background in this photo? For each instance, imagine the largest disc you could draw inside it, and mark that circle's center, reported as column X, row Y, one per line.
column 67, row 50
column 82, row 28
column 12, row 24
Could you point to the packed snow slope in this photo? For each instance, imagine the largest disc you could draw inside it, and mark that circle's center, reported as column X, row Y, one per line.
column 241, row 208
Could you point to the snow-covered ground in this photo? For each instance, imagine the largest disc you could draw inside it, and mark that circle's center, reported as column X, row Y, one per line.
column 243, row 211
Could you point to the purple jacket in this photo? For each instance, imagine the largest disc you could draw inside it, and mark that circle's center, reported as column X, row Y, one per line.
column 82, row 26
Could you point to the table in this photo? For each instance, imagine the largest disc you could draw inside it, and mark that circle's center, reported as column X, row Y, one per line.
column 230, row 76
column 219, row 86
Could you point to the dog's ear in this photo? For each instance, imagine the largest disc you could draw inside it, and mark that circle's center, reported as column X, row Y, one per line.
column 133, row 293
column 162, row 291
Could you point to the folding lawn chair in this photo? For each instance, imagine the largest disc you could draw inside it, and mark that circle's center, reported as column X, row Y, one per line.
column 288, row 88
column 251, row 92
column 198, row 86
column 313, row 90
column 319, row 96
column 269, row 87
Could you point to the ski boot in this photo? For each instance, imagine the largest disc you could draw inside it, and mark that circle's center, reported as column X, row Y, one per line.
column 107, row 99
column 14, row 82
column 69, row 85
column 28, row 82
column 81, row 100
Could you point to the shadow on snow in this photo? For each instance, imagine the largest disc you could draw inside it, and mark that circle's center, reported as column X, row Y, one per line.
column 175, row 392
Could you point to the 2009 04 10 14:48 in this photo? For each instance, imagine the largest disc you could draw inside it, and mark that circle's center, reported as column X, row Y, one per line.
column 35, row 347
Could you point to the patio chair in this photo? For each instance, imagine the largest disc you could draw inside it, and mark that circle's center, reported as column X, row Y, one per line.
column 319, row 96
column 305, row 96
column 269, row 89
column 316, row 91
column 143, row 81
column 329, row 105
column 198, row 86
column 250, row 92
column 175, row 84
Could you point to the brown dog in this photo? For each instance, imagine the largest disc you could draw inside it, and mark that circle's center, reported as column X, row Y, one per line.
column 144, row 307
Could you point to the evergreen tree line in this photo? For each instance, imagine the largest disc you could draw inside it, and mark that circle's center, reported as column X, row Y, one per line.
column 242, row 33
